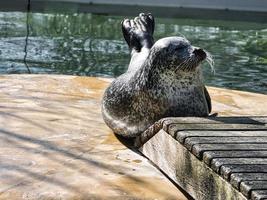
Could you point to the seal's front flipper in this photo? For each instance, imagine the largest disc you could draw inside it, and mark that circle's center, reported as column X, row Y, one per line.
column 138, row 33
column 208, row 99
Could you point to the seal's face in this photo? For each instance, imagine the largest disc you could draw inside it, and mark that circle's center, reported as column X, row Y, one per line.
column 178, row 54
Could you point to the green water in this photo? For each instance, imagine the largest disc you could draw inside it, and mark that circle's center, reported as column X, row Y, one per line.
column 92, row 45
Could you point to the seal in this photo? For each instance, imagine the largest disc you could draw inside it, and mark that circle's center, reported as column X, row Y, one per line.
column 164, row 79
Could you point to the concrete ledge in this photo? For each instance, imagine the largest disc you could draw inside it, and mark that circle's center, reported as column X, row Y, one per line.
column 241, row 5
column 249, row 10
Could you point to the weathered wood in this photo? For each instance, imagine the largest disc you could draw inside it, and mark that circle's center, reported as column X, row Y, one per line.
column 209, row 155
column 260, row 120
column 259, row 194
column 186, row 170
column 182, row 135
column 218, row 162
column 149, row 133
column 234, row 149
column 174, row 128
column 227, row 170
column 237, row 178
column 191, row 141
column 198, row 149
column 209, row 124
column 247, row 186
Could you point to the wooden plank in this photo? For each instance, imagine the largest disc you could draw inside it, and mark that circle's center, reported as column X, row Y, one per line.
column 259, row 194
column 259, row 120
column 237, row 178
column 218, row 162
column 209, row 155
column 191, row 141
column 227, row 170
column 149, row 133
column 182, row 135
column 247, row 186
column 173, row 125
column 174, row 128
column 198, row 149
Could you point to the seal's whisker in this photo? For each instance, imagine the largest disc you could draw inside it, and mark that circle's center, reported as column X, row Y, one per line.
column 185, row 68
column 188, row 61
column 182, row 64
column 189, row 64
column 210, row 61
column 192, row 64
column 186, row 65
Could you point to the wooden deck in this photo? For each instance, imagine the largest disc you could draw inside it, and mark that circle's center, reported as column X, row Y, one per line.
column 211, row 158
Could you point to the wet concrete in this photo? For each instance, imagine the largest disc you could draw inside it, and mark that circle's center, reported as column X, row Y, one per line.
column 55, row 145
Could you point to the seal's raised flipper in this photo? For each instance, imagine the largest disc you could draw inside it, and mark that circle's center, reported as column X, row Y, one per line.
column 138, row 32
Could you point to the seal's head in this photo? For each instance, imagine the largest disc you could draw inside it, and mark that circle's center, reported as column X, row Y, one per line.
column 177, row 54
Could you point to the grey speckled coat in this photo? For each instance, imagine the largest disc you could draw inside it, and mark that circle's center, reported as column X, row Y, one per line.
column 163, row 81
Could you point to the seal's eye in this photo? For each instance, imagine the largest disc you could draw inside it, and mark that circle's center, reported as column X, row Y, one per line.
column 179, row 48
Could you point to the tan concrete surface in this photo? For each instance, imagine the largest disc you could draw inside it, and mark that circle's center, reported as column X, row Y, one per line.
column 54, row 144
column 237, row 103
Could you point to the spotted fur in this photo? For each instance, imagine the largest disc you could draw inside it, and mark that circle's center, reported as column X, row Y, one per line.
column 163, row 80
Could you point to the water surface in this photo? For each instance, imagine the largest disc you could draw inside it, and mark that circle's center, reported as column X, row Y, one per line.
column 92, row 45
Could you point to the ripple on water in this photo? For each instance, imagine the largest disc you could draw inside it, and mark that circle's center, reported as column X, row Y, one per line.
column 92, row 45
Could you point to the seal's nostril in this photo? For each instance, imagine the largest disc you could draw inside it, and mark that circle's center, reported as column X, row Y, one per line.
column 200, row 52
